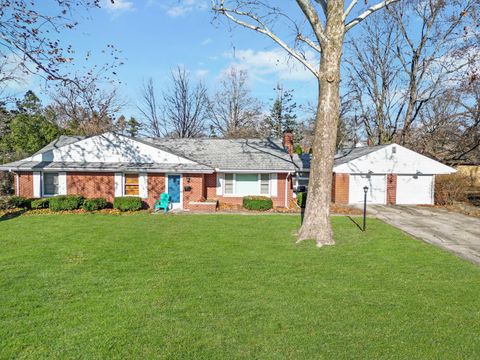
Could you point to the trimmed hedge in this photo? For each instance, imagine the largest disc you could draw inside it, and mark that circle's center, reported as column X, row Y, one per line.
column 40, row 203
column 260, row 203
column 94, row 204
column 14, row 202
column 127, row 203
column 65, row 202
column 302, row 199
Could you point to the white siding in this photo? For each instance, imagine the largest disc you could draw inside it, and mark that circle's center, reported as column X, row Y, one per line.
column 110, row 148
column 118, row 184
column 386, row 160
column 37, row 184
column 143, row 185
column 220, row 181
column 62, row 183
column 273, row 185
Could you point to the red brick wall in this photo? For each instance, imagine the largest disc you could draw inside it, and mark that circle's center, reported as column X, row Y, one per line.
column 278, row 201
column 156, row 186
column 91, row 184
column 26, row 184
column 340, row 188
column 211, row 186
column 391, row 189
column 198, row 190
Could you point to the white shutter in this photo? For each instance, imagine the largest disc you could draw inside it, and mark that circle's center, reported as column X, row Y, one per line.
column 62, row 183
column 118, row 184
column 220, row 181
column 37, row 184
column 273, row 184
column 143, row 185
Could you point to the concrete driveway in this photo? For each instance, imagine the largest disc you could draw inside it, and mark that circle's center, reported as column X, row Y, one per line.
column 455, row 232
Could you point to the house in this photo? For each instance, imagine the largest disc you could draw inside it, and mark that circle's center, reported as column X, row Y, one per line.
column 391, row 173
column 192, row 170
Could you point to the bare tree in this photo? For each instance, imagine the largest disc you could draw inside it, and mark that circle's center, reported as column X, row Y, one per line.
column 185, row 106
column 234, row 112
column 449, row 126
column 431, row 58
column 150, row 109
column 29, row 37
column 396, row 71
column 373, row 73
column 86, row 111
column 327, row 22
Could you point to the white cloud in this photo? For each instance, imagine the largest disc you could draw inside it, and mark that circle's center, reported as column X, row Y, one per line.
column 201, row 73
column 184, row 7
column 118, row 6
column 206, row 41
column 263, row 64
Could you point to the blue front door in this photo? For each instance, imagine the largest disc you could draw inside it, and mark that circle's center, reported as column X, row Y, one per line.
column 174, row 188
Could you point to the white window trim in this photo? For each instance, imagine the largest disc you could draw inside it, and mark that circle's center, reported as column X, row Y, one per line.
column 42, row 184
column 124, row 183
column 259, row 184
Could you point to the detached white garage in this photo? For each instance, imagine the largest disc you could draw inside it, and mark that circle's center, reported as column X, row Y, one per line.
column 392, row 173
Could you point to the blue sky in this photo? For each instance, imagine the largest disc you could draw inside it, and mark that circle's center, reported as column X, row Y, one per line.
column 157, row 35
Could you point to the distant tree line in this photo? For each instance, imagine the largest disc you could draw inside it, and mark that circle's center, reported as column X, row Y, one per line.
column 186, row 109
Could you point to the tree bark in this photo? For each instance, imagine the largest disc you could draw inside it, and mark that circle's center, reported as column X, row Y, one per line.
column 316, row 224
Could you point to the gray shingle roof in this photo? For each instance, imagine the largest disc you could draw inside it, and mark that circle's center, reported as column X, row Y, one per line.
column 208, row 153
column 231, row 154
column 342, row 157
column 347, row 155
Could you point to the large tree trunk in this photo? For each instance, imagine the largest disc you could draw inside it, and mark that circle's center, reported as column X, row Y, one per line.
column 316, row 223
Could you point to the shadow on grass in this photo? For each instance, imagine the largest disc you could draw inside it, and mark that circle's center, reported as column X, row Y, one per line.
column 357, row 224
column 11, row 215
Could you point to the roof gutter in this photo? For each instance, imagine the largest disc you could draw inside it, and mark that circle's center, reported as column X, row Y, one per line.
column 256, row 171
column 191, row 171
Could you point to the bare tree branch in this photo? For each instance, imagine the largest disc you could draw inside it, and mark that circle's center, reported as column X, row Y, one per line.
column 349, row 8
column 263, row 29
column 368, row 12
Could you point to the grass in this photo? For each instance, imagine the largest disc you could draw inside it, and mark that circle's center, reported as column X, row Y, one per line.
column 228, row 286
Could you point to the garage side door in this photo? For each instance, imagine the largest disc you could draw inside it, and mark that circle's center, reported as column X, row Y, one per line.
column 377, row 189
column 413, row 189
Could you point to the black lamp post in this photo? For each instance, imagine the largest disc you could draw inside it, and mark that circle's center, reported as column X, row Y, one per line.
column 365, row 190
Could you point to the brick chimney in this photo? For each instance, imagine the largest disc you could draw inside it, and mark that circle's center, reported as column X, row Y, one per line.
column 287, row 140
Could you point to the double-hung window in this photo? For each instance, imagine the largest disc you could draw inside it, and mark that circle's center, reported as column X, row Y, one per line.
column 50, row 184
column 247, row 184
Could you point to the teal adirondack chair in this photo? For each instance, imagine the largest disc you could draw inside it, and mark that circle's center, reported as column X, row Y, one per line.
column 162, row 203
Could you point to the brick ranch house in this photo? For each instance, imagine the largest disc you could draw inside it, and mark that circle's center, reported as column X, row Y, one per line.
column 195, row 170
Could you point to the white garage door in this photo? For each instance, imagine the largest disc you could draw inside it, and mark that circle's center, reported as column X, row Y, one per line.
column 413, row 189
column 377, row 189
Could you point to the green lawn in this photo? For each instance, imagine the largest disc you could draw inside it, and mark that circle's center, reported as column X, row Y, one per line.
column 227, row 286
